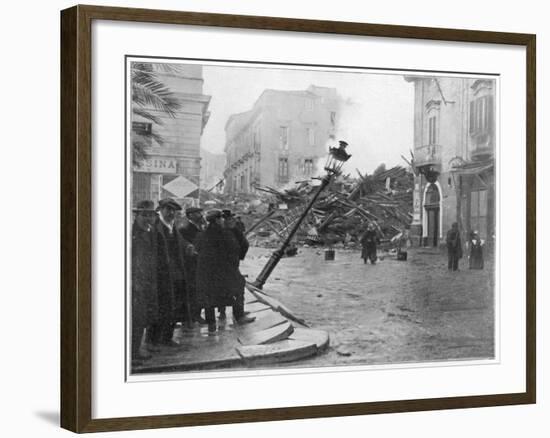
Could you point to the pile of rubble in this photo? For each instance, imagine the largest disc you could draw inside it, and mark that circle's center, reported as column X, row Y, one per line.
column 340, row 215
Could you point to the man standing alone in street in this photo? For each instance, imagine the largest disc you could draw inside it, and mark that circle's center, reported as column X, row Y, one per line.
column 369, row 241
column 454, row 247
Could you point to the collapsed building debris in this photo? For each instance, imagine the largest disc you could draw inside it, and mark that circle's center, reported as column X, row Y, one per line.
column 340, row 215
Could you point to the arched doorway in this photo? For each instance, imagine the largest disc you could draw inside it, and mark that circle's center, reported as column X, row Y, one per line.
column 432, row 200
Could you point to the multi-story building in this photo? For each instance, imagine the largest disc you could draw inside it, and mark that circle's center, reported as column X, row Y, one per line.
column 172, row 168
column 454, row 154
column 212, row 167
column 280, row 139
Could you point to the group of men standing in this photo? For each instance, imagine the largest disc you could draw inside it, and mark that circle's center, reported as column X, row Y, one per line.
column 179, row 270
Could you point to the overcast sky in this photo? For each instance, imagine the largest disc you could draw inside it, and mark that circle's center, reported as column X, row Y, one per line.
column 377, row 122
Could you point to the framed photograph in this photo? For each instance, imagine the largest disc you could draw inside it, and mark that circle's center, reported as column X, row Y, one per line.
column 269, row 218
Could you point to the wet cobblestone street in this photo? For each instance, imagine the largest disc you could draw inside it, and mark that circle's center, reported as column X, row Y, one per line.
column 391, row 312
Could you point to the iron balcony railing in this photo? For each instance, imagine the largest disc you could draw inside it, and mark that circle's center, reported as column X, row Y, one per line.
column 427, row 155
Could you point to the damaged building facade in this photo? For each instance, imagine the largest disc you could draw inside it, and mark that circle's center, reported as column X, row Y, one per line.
column 172, row 169
column 281, row 139
column 454, row 156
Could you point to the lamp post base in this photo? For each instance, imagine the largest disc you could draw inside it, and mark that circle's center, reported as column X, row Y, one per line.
column 268, row 268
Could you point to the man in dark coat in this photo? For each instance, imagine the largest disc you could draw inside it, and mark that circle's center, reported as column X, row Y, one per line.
column 231, row 223
column 454, row 247
column 170, row 271
column 240, row 224
column 144, row 277
column 219, row 281
column 194, row 225
column 369, row 240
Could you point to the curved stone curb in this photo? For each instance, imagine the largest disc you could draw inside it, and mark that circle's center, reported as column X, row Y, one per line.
column 283, row 351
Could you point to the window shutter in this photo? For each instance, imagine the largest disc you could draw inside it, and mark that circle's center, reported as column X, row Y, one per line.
column 432, row 130
column 472, row 116
column 479, row 122
column 490, row 114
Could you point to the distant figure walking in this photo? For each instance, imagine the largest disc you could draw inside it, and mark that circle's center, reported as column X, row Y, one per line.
column 454, row 247
column 476, row 251
column 369, row 240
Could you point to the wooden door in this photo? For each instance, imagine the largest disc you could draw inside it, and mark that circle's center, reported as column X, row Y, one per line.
column 433, row 226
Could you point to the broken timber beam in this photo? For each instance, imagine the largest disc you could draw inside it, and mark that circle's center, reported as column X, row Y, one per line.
column 259, row 222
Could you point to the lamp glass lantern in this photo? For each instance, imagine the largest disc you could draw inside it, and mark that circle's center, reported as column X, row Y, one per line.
column 337, row 156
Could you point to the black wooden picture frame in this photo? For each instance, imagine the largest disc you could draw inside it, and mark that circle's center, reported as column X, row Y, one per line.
column 76, row 217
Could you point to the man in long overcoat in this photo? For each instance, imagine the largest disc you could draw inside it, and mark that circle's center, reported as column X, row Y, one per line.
column 231, row 223
column 170, row 271
column 454, row 246
column 144, row 277
column 369, row 242
column 194, row 225
column 219, row 281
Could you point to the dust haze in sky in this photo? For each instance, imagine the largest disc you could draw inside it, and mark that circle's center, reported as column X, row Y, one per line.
column 376, row 119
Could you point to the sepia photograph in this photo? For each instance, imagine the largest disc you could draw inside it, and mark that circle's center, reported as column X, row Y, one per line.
column 308, row 217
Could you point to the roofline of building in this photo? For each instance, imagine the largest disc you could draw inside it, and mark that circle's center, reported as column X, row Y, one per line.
column 254, row 108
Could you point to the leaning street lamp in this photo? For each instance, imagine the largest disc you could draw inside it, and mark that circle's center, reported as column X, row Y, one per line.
column 337, row 156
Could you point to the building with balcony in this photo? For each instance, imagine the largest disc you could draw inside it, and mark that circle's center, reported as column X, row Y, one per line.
column 454, row 156
column 279, row 140
column 172, row 168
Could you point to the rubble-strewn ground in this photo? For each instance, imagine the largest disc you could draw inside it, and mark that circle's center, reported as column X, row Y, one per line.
column 387, row 313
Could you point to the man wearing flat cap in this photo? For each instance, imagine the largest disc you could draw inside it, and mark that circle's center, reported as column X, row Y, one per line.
column 170, row 270
column 144, row 312
column 193, row 226
column 219, row 281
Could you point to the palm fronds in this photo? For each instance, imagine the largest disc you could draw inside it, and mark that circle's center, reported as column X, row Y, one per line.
column 156, row 95
column 146, row 114
column 149, row 95
column 148, row 91
column 168, row 68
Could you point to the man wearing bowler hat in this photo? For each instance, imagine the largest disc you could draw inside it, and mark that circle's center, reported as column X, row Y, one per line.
column 170, row 271
column 194, row 225
column 144, row 278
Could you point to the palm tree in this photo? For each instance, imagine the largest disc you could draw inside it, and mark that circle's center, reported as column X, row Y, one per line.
column 149, row 96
